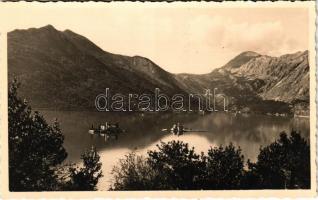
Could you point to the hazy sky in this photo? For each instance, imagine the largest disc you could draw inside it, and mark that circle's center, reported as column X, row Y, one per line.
column 184, row 39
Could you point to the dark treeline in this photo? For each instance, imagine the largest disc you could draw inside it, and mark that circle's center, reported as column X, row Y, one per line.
column 175, row 166
column 36, row 153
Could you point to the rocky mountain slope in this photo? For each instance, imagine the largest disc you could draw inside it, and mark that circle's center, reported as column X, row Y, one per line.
column 284, row 78
column 241, row 59
column 64, row 70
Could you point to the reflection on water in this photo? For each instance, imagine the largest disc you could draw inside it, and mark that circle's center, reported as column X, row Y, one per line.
column 144, row 132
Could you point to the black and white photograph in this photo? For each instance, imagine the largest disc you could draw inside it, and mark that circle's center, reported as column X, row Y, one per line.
column 201, row 97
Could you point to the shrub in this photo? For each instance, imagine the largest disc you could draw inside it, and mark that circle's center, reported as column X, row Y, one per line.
column 134, row 173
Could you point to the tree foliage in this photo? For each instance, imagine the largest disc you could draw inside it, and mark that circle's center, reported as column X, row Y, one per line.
column 283, row 164
column 224, row 168
column 85, row 178
column 134, row 172
column 179, row 165
column 36, row 152
column 174, row 166
column 34, row 147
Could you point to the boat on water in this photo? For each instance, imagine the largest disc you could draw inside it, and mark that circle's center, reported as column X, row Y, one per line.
column 179, row 129
column 108, row 130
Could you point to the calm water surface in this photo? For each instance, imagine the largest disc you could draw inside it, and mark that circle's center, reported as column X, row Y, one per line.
column 144, row 132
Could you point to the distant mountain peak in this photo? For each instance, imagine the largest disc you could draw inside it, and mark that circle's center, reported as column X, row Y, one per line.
column 249, row 53
column 136, row 57
column 241, row 59
column 48, row 27
column 68, row 31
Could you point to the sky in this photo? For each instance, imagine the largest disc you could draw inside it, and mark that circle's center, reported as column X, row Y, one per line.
column 180, row 39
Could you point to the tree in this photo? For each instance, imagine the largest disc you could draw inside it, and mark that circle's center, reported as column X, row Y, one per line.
column 224, row 168
column 179, row 166
column 283, row 164
column 174, row 166
column 36, row 153
column 86, row 177
column 34, row 147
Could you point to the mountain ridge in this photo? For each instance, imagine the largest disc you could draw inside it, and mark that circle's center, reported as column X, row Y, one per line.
column 76, row 74
column 63, row 69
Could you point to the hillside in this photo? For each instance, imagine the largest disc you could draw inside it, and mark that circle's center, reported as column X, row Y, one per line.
column 67, row 71
column 64, row 70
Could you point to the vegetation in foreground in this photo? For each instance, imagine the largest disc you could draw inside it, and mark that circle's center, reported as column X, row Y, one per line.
column 36, row 153
column 175, row 166
column 36, row 156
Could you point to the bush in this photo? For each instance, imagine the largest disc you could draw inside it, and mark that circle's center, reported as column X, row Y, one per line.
column 134, row 173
